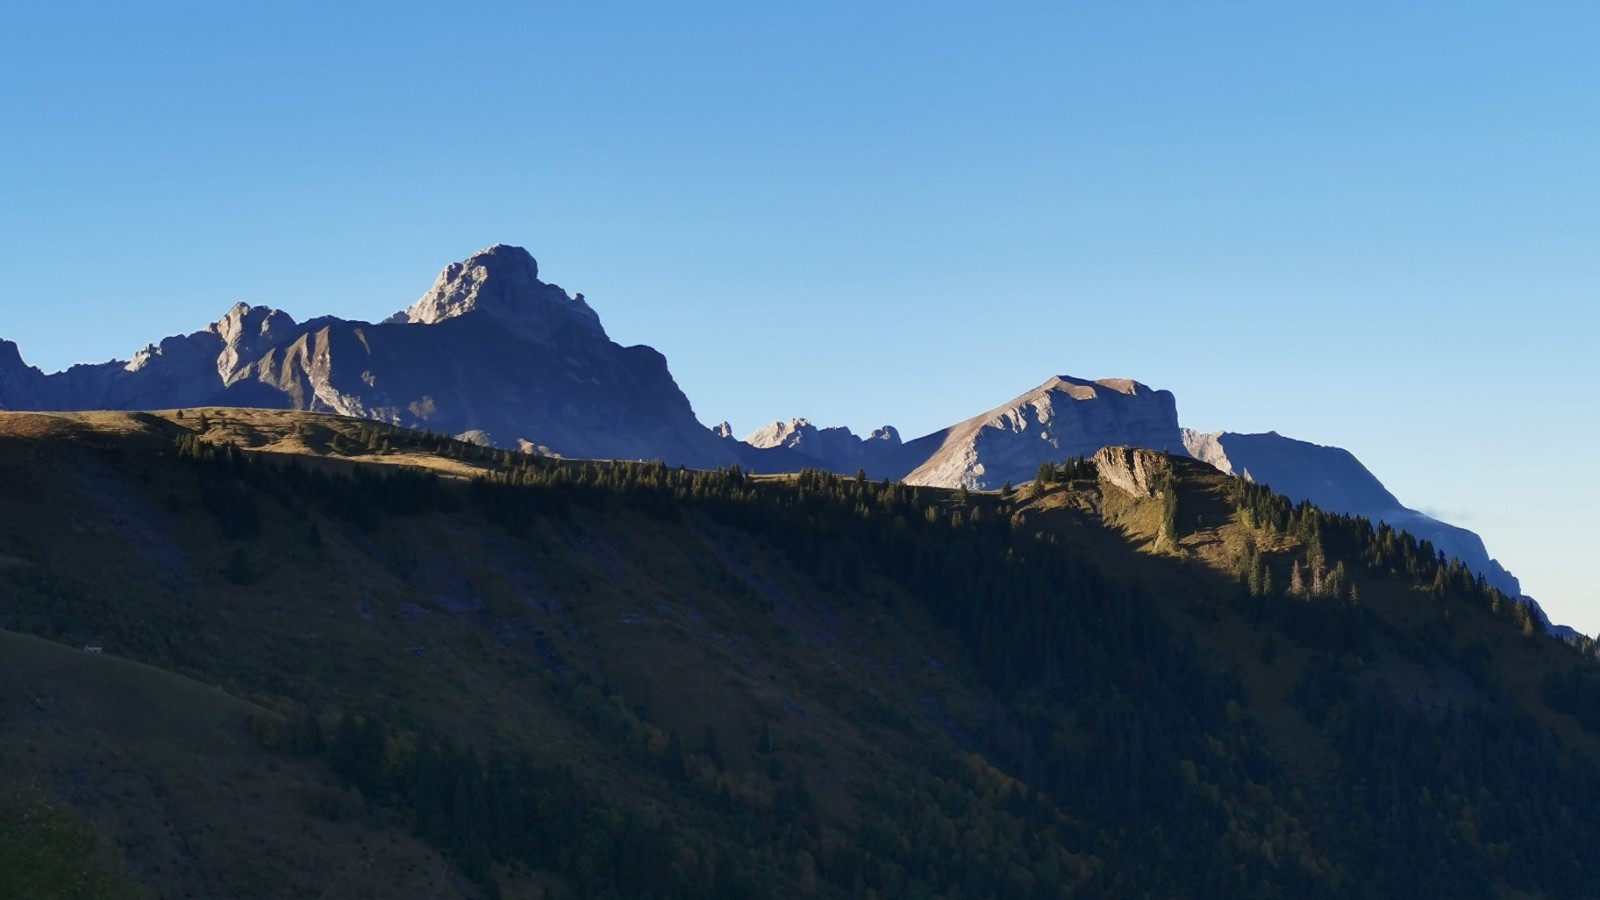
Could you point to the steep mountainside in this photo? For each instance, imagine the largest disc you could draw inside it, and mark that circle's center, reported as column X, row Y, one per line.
column 430, row 668
column 1336, row 481
column 490, row 349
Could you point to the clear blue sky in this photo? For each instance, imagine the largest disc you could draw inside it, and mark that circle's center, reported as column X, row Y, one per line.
column 1375, row 225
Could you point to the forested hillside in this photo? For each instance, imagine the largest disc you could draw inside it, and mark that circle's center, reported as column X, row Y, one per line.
column 424, row 666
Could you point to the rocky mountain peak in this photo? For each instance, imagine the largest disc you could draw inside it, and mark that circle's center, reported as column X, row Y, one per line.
column 19, row 382
column 1063, row 417
column 501, row 281
column 245, row 330
column 1081, row 389
column 780, row 434
column 243, row 322
column 11, row 354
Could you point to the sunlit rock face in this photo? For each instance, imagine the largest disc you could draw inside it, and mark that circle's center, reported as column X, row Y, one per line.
column 1061, row 418
column 1139, row 473
column 490, row 350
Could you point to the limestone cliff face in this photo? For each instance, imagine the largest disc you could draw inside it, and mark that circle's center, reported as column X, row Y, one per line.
column 1141, row 473
column 1061, row 418
column 490, row 350
column 1333, row 479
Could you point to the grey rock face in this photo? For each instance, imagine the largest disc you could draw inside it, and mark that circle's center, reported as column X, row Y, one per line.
column 1334, row 480
column 489, row 350
column 1138, row 472
column 1061, row 418
column 502, row 282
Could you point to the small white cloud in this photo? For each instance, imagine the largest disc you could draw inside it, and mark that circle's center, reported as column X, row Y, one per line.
column 1453, row 516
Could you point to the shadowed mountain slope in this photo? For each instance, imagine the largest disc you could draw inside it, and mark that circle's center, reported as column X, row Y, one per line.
column 435, row 663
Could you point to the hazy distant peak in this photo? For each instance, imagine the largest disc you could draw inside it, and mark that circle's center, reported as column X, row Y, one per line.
column 836, row 447
column 780, row 434
column 502, row 281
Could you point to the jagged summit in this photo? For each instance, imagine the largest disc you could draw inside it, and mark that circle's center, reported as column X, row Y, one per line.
column 502, row 281
column 246, row 330
column 836, row 448
column 507, row 355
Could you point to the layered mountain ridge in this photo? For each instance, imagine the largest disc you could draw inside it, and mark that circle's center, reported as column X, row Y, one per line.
column 493, row 353
column 1066, row 417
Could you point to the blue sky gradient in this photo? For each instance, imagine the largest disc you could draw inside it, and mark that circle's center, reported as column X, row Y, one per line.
column 1366, row 224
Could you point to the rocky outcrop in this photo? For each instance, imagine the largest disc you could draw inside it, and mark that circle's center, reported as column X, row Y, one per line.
column 1141, row 473
column 490, row 350
column 1061, row 418
column 1334, row 480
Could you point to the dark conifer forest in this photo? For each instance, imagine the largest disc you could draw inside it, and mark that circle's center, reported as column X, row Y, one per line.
column 575, row 679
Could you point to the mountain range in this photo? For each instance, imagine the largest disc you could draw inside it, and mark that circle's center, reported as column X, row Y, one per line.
column 496, row 356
